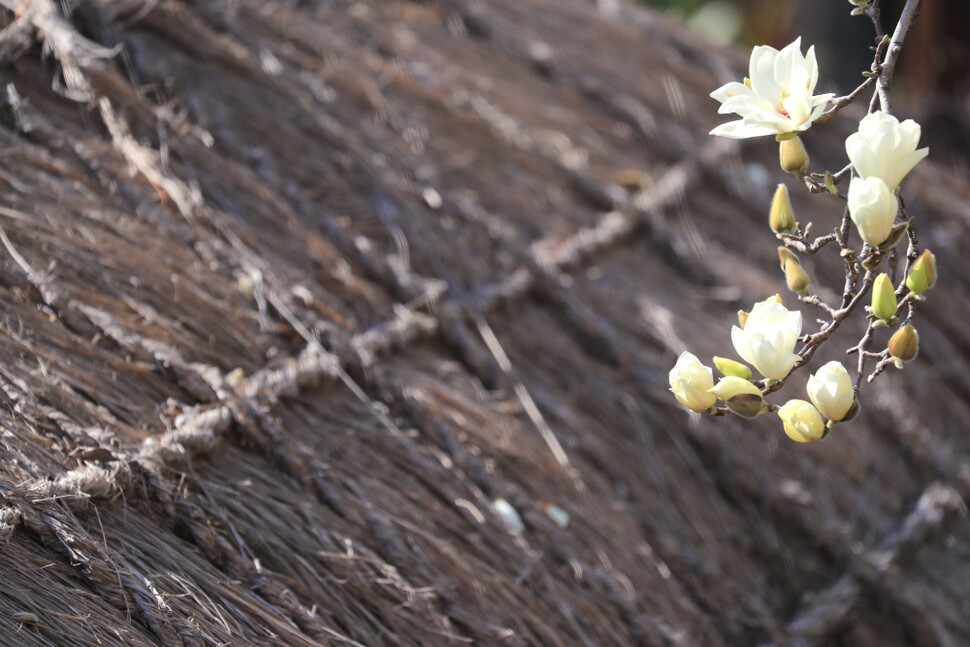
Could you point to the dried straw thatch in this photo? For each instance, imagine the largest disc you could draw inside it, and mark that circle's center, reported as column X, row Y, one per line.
column 319, row 317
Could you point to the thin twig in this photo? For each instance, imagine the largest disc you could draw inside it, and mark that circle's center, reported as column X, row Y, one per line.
column 885, row 81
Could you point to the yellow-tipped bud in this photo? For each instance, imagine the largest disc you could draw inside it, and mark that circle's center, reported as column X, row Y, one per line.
column 742, row 318
column 796, row 278
column 741, row 396
column 904, row 344
column 793, row 156
column 883, row 298
column 730, row 368
column 782, row 215
column 922, row 275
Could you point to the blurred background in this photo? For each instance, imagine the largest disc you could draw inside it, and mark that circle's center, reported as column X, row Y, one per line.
column 933, row 77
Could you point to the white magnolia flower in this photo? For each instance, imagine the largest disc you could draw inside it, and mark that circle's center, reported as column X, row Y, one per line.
column 768, row 338
column 885, row 148
column 872, row 207
column 803, row 422
column 691, row 383
column 778, row 97
column 830, row 390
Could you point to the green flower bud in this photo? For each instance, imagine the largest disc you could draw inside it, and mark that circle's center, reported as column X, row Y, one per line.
column 782, row 215
column 883, row 298
column 904, row 344
column 793, row 156
column 922, row 275
column 730, row 368
column 796, row 278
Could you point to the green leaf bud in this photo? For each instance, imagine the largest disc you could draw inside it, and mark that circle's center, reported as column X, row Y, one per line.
column 904, row 344
column 922, row 275
column 782, row 215
column 883, row 298
column 730, row 368
column 793, row 156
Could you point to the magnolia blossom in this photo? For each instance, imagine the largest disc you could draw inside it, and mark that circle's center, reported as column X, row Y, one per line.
column 803, row 422
column 777, row 98
column 872, row 207
column 885, row 148
column 768, row 338
column 691, row 383
column 830, row 390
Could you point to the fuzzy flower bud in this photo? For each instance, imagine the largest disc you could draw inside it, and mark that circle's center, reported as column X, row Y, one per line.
column 872, row 207
column 796, row 278
column 922, row 275
column 781, row 218
column 830, row 390
column 793, row 156
column 904, row 344
column 691, row 383
column 730, row 368
column 883, row 298
column 741, row 396
column 767, row 340
column 803, row 422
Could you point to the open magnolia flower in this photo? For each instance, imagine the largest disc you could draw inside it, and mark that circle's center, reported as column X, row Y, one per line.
column 776, row 98
column 885, row 148
column 872, row 207
column 768, row 338
column 691, row 383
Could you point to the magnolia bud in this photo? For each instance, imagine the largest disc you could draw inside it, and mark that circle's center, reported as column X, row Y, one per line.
column 803, row 422
column 922, row 275
column 730, row 368
column 793, row 156
column 830, row 390
column 782, row 215
column 785, row 255
column 730, row 386
column 883, row 298
column 796, row 278
column 872, row 207
column 904, row 344
column 741, row 396
column 691, row 383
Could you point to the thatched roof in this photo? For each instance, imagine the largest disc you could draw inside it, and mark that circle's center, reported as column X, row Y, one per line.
column 319, row 318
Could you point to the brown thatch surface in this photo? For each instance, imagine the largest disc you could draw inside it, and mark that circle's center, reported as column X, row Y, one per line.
column 299, row 296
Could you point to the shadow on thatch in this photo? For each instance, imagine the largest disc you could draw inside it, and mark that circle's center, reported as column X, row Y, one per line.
column 349, row 323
